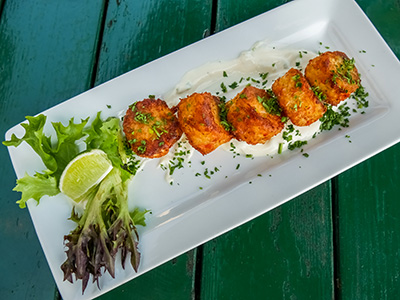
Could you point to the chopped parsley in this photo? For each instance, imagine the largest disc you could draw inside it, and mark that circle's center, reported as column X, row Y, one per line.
column 234, row 85
column 270, row 103
column 360, row 95
column 143, row 117
column 223, row 87
column 175, row 163
column 317, row 91
column 223, row 117
column 142, row 147
column 332, row 118
column 344, row 71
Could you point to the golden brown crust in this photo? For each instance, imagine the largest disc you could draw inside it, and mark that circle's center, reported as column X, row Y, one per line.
column 333, row 74
column 250, row 120
column 198, row 116
column 296, row 98
column 151, row 128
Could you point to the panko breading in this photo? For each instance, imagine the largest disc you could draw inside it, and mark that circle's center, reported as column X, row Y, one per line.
column 297, row 99
column 151, row 128
column 199, row 118
column 249, row 117
column 334, row 75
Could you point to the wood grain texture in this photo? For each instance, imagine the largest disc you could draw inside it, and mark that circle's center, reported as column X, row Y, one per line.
column 46, row 56
column 385, row 15
column 369, row 228
column 172, row 280
column 367, row 205
column 230, row 12
column 137, row 32
column 286, row 253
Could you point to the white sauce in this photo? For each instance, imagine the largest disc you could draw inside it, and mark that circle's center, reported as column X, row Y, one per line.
column 260, row 59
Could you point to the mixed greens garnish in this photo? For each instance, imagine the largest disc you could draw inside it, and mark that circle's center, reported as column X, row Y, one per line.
column 106, row 225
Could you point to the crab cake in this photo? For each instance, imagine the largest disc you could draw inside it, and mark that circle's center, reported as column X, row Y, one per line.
column 199, row 118
column 151, row 128
column 297, row 99
column 334, row 75
column 248, row 115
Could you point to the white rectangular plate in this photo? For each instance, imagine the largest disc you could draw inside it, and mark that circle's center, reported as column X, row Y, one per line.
column 179, row 211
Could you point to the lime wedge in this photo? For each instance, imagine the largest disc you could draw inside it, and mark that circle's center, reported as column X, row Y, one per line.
column 84, row 172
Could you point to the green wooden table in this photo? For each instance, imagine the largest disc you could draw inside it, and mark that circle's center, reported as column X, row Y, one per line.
column 339, row 240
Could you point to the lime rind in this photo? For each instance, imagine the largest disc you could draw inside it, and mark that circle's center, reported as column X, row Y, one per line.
column 84, row 173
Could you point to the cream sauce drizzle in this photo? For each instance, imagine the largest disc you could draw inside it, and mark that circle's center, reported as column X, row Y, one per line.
column 245, row 69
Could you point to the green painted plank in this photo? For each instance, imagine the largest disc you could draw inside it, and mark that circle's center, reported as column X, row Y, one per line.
column 368, row 201
column 138, row 32
column 385, row 15
column 369, row 228
column 135, row 33
column 46, row 56
column 286, row 253
column 172, row 280
column 283, row 254
column 230, row 12
column 1, row 6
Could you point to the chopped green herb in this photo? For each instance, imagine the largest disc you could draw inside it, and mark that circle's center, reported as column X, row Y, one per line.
column 296, row 144
column 264, row 75
column 360, row 95
column 143, row 117
column 223, row 117
column 343, row 71
column 142, row 147
column 233, row 85
column 317, row 91
column 280, row 148
column 175, row 163
column 223, row 87
column 332, row 118
column 271, row 104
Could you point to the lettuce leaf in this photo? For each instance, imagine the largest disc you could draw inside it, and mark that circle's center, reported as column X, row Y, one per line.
column 35, row 187
column 107, row 136
column 55, row 156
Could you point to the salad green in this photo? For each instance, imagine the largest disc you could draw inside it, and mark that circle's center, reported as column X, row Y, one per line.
column 106, row 225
